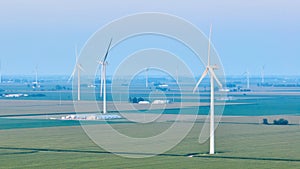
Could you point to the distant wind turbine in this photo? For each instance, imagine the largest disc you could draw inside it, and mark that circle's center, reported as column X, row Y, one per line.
column 78, row 68
column 263, row 75
column 177, row 76
column 146, row 71
column 103, row 63
column 35, row 84
column 36, row 75
column 248, row 78
column 210, row 70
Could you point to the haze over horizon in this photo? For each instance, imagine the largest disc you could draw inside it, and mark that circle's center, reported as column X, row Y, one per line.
column 247, row 35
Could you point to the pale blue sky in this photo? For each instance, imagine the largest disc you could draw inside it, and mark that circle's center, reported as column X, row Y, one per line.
column 246, row 34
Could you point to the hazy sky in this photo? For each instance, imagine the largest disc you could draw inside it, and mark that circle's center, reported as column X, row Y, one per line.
column 246, row 34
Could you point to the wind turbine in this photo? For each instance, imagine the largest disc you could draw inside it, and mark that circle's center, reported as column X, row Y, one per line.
column 263, row 75
column 147, row 69
column 35, row 84
column 78, row 68
column 36, row 75
column 210, row 70
column 248, row 78
column 177, row 76
column 103, row 78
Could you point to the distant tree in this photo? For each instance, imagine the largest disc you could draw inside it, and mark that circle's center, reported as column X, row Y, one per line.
column 134, row 100
column 140, row 99
column 281, row 122
column 265, row 121
column 130, row 99
column 37, row 95
column 58, row 87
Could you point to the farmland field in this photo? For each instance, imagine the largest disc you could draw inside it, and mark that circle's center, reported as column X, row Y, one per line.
column 30, row 139
column 67, row 146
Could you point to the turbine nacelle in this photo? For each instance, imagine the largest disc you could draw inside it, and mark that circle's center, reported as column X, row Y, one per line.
column 77, row 68
column 209, row 70
column 102, row 62
column 214, row 67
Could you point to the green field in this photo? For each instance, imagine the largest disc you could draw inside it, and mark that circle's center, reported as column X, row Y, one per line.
column 27, row 141
column 67, row 146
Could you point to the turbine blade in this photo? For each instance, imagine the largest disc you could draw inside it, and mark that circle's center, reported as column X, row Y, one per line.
column 208, row 52
column 76, row 54
column 76, row 65
column 201, row 78
column 72, row 75
column 212, row 73
column 204, row 134
column 106, row 54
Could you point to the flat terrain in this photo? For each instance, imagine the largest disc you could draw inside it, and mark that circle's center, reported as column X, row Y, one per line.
column 29, row 139
column 11, row 107
column 241, row 143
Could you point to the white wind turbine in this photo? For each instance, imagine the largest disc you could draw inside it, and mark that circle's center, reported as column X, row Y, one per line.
column 36, row 84
column 78, row 68
column 210, row 70
column 177, row 76
column 103, row 78
column 248, row 78
column 263, row 75
column 146, row 71
column 36, row 75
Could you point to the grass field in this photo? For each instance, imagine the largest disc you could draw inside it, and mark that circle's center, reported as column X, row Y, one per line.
column 238, row 146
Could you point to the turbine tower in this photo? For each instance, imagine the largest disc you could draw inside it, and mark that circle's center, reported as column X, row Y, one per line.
column 103, row 78
column 78, row 68
column 210, row 70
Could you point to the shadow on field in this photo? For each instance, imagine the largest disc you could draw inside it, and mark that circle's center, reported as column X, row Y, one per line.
column 194, row 155
column 248, row 158
column 15, row 153
column 247, row 123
